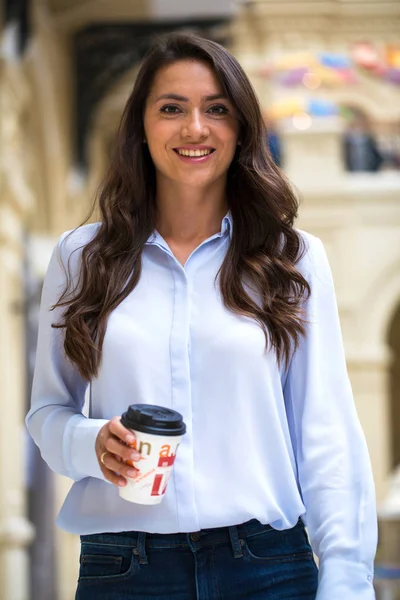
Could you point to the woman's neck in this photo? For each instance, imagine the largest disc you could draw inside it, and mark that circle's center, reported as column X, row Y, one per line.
column 190, row 216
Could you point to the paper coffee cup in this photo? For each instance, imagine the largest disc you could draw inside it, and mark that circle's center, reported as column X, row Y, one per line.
column 158, row 431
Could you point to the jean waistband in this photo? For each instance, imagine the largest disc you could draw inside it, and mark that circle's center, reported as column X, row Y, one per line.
column 172, row 540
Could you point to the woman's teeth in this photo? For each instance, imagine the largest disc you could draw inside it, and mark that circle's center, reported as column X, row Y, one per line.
column 194, row 153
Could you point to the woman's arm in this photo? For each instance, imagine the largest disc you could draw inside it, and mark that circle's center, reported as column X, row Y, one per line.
column 334, row 470
column 65, row 437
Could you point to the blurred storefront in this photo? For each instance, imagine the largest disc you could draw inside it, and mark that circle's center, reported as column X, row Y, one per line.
column 66, row 68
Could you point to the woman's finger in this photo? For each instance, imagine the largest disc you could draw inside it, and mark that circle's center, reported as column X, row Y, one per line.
column 121, row 432
column 113, row 466
column 113, row 477
column 111, row 446
column 121, row 450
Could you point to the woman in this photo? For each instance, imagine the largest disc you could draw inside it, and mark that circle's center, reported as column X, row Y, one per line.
column 196, row 292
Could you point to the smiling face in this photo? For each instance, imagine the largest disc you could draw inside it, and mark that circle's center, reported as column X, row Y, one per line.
column 190, row 125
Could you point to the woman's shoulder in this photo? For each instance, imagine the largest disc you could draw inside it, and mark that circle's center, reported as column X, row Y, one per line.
column 76, row 239
column 308, row 239
column 311, row 244
column 312, row 253
column 71, row 243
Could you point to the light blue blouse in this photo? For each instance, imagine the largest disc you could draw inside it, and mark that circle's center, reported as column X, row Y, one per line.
column 261, row 442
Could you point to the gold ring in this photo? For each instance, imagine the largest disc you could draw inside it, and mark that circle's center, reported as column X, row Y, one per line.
column 102, row 457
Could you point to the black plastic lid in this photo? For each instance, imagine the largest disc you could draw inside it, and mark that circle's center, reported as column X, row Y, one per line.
column 156, row 420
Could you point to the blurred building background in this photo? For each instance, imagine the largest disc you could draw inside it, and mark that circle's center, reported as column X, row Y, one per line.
column 327, row 73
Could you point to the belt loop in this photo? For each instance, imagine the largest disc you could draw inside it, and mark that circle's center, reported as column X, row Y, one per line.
column 235, row 541
column 141, row 548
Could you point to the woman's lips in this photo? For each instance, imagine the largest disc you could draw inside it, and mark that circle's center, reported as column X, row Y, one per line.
column 194, row 159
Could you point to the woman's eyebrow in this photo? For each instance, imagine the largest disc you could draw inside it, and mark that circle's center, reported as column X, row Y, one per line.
column 177, row 97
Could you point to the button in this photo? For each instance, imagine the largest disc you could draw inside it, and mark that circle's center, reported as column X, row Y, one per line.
column 370, row 578
column 195, row 537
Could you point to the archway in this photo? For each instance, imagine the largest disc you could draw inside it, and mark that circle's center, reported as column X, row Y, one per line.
column 369, row 356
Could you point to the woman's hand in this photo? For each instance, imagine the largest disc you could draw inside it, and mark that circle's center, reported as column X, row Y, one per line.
column 113, row 449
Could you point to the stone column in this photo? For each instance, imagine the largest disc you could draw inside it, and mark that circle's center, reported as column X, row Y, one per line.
column 15, row 199
column 313, row 154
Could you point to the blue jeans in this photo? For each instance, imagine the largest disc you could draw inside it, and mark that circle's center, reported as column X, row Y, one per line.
column 249, row 561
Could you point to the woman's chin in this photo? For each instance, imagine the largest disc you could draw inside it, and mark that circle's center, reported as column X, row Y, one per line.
column 195, row 181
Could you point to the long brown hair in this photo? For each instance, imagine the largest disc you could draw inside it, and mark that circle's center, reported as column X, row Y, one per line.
column 264, row 249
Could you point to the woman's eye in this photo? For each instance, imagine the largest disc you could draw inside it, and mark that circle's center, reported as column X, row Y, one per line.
column 169, row 109
column 218, row 109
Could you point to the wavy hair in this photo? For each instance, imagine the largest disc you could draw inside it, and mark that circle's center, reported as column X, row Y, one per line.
column 264, row 249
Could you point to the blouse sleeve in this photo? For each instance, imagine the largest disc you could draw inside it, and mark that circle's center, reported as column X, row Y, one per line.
column 65, row 437
column 334, row 471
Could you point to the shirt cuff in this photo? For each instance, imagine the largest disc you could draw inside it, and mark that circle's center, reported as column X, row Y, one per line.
column 80, row 444
column 341, row 579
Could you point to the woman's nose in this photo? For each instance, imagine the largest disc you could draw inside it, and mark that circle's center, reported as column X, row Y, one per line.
column 195, row 127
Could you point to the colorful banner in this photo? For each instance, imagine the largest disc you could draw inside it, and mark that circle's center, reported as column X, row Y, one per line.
column 332, row 69
column 315, row 107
